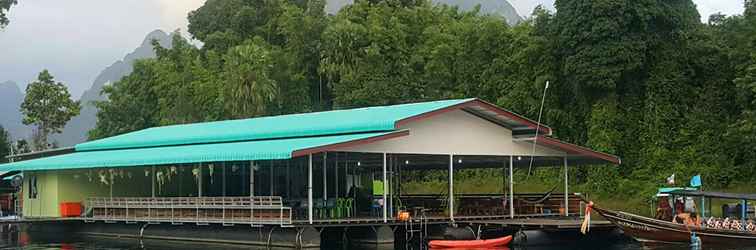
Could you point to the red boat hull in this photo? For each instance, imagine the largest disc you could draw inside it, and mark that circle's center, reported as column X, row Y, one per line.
column 497, row 242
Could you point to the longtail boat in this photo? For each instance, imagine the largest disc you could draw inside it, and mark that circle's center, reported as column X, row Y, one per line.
column 653, row 231
column 467, row 244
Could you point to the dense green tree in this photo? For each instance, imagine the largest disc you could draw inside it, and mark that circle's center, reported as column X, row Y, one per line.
column 5, row 5
column 248, row 89
column 741, row 34
column 21, row 146
column 5, row 144
column 48, row 106
column 131, row 103
column 645, row 80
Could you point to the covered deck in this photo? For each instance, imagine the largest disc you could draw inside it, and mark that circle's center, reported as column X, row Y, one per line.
column 337, row 168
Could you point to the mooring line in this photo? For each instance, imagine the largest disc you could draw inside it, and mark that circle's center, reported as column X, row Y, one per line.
column 141, row 231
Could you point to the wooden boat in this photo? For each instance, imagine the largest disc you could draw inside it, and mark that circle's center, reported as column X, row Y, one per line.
column 497, row 242
column 653, row 231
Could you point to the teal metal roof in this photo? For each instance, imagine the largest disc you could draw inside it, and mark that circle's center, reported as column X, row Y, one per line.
column 666, row 190
column 361, row 120
column 232, row 151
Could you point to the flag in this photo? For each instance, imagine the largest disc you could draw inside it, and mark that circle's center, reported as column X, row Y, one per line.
column 671, row 179
column 695, row 181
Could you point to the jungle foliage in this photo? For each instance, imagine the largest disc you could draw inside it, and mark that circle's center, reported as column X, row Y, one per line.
column 48, row 106
column 642, row 79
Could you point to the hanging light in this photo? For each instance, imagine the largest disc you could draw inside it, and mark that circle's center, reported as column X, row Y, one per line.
column 406, row 162
column 359, row 163
column 519, row 158
column 459, row 161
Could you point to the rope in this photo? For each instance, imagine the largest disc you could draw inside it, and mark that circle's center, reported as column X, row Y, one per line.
column 586, row 226
column 538, row 127
column 270, row 234
column 141, row 231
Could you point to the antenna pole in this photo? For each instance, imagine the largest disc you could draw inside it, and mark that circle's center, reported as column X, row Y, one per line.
column 538, row 127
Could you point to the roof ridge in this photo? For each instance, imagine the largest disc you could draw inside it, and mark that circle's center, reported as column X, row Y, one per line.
column 340, row 121
column 306, row 113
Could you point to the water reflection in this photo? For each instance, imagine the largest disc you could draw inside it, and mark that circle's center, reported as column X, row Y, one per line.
column 21, row 240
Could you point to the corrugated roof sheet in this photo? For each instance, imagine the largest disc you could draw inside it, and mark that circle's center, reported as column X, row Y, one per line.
column 232, row 151
column 371, row 119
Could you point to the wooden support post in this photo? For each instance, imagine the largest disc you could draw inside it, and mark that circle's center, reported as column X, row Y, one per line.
column 511, row 187
column 385, row 180
column 451, row 187
column 566, row 195
column 325, row 174
column 309, row 189
column 336, row 177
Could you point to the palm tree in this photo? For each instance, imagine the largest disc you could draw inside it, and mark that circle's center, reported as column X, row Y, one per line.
column 247, row 73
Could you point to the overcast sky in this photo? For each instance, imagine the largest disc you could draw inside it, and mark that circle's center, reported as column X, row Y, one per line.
column 76, row 39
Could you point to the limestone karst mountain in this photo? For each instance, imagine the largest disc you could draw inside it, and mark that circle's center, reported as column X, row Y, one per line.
column 11, row 98
column 76, row 129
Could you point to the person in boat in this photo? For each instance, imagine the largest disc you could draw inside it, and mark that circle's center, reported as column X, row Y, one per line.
column 689, row 219
column 735, row 225
column 725, row 224
column 690, row 205
column 679, row 206
column 711, row 222
column 664, row 211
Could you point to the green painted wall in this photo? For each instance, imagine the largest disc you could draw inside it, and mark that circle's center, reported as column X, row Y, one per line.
column 77, row 185
column 55, row 187
column 46, row 202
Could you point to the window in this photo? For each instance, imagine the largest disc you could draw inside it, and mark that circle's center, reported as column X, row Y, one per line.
column 33, row 187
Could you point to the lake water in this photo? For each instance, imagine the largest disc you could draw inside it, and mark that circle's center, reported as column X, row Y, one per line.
column 20, row 240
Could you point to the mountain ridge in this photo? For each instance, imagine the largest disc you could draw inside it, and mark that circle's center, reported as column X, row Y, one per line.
column 76, row 129
column 11, row 98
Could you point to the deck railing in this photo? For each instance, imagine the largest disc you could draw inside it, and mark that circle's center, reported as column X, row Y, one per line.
column 201, row 210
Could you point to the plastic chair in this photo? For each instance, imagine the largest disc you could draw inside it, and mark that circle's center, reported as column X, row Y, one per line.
column 320, row 209
column 375, row 208
column 349, row 205
column 342, row 207
column 331, row 207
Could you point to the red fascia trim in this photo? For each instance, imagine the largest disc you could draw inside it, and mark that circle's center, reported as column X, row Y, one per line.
column 544, row 129
column 578, row 149
column 332, row 147
column 475, row 102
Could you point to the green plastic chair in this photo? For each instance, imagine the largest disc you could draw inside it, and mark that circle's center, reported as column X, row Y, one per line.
column 349, row 205
column 340, row 207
